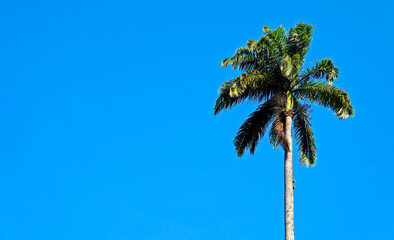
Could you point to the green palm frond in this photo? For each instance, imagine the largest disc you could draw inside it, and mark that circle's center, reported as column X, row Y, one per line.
column 254, row 128
column 268, row 54
column 304, row 135
column 244, row 59
column 278, row 38
column 263, row 55
column 329, row 96
column 299, row 39
column 226, row 101
column 252, row 45
column 290, row 66
column 252, row 85
column 322, row 69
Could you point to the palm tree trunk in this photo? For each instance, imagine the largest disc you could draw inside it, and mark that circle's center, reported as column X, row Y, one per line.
column 289, row 197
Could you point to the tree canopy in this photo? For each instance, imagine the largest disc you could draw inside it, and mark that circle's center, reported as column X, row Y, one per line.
column 274, row 76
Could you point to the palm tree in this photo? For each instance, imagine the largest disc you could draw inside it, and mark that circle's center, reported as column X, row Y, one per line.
column 274, row 76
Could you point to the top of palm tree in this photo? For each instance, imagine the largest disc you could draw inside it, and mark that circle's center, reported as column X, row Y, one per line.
column 273, row 75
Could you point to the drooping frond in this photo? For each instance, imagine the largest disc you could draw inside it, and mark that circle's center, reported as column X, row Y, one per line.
column 299, row 39
column 277, row 132
column 304, row 134
column 253, row 129
column 328, row 96
column 252, row 85
column 322, row 69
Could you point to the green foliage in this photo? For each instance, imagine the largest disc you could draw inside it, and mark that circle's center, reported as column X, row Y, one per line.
column 272, row 72
column 255, row 126
column 299, row 39
column 277, row 136
column 322, row 93
column 323, row 69
column 244, row 59
column 252, row 85
column 304, row 135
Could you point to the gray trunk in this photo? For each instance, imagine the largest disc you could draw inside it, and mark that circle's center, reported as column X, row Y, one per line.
column 289, row 197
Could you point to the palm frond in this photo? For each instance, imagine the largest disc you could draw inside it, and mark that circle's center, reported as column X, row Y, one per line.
column 278, row 38
column 290, row 66
column 299, row 39
column 322, row 69
column 268, row 54
column 277, row 134
column 263, row 55
column 252, row 45
column 329, row 96
column 252, row 85
column 244, row 59
column 254, row 128
column 304, row 134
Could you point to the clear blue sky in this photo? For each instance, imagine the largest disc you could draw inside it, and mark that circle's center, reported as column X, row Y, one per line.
column 107, row 130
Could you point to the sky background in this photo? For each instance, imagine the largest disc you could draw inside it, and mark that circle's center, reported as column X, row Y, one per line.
column 107, row 129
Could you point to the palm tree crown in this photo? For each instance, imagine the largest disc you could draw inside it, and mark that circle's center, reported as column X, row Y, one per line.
column 273, row 75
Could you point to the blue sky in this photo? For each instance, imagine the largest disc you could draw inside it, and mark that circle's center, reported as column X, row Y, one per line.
column 107, row 129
